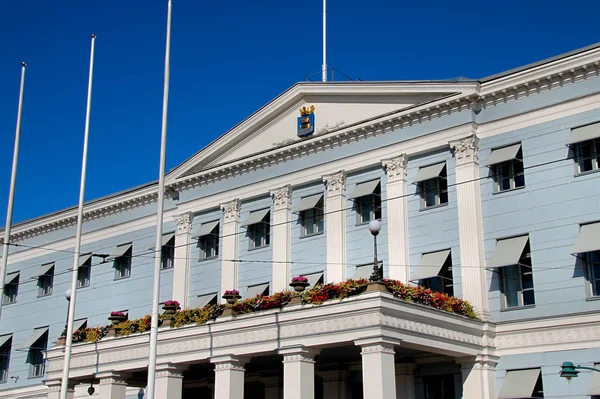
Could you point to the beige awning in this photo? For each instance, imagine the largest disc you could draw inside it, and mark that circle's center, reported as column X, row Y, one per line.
column 42, row 270
column 595, row 384
column 519, row 384
column 84, row 258
column 429, row 172
column 204, row 300
column 508, row 252
column 314, row 279
column 77, row 324
column 120, row 251
column 365, row 271
column 33, row 338
column 309, row 202
column 205, row 229
column 504, row 154
column 165, row 240
column 363, row 189
column 584, row 133
column 254, row 290
column 589, row 239
column 256, row 217
column 430, row 265
column 4, row 339
column 10, row 277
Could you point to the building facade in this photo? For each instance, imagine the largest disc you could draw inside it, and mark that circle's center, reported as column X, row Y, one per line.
column 486, row 189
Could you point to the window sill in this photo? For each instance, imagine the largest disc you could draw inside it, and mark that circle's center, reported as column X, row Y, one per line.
column 257, row 248
column 209, row 258
column 83, row 286
column 588, row 172
column 367, row 222
column 312, row 235
column 509, row 190
column 33, row 377
column 9, row 303
column 121, row 278
column 3, row 382
column 166, row 268
column 433, row 207
column 45, row 295
column 517, row 308
column 592, row 298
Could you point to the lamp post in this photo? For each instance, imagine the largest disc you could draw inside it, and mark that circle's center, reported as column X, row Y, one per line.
column 375, row 228
column 68, row 298
column 568, row 370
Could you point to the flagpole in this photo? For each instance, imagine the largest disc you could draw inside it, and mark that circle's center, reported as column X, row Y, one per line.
column 11, row 191
column 64, row 385
column 324, row 40
column 159, row 218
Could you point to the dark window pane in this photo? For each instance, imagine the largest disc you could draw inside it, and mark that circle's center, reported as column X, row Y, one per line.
column 528, row 298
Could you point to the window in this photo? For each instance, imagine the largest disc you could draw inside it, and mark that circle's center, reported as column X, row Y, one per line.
column 367, row 201
column 122, row 262
column 433, row 186
column 439, row 386
column 509, row 174
column 312, row 220
column 46, row 282
column 209, row 243
column 522, row 384
column 517, row 281
column 592, row 260
column 11, row 289
column 587, row 155
column 259, row 228
column 443, row 282
column 84, row 273
column 35, row 357
column 168, row 254
column 5, row 357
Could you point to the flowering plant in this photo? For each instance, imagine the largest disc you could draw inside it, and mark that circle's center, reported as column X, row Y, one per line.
column 258, row 303
column 231, row 292
column 172, row 303
column 299, row 279
column 321, row 293
column 117, row 314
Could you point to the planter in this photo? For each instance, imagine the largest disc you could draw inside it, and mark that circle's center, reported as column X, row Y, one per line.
column 117, row 319
column 61, row 341
column 299, row 286
column 170, row 310
column 231, row 298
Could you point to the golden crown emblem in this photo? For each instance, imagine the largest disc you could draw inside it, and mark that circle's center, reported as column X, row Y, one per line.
column 307, row 111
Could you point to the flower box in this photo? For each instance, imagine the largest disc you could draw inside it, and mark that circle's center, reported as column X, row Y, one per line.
column 171, row 307
column 299, row 283
column 117, row 317
column 231, row 296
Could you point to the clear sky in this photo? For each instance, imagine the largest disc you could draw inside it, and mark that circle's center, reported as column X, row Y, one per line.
column 228, row 59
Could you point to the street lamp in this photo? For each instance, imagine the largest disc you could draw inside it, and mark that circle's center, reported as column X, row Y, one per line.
column 68, row 298
column 375, row 228
column 568, row 370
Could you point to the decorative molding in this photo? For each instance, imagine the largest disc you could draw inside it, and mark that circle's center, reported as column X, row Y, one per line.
column 113, row 378
column 330, row 128
column 466, row 150
column 336, row 183
column 184, row 222
column 299, row 354
column 231, row 211
column 169, row 370
column 282, row 197
column 396, row 168
column 377, row 348
column 479, row 362
column 230, row 365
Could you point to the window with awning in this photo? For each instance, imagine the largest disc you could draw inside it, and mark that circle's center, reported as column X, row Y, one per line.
column 84, row 272
column 433, row 186
column 584, row 133
column 365, row 271
column 208, row 239
column 5, row 348
column 314, row 279
column 507, row 167
column 520, row 384
column 259, row 228
column 45, row 277
column 312, row 218
column 256, row 290
column 587, row 248
column 367, row 201
column 435, row 272
column 11, row 288
column 584, row 142
column 122, row 260
column 206, row 299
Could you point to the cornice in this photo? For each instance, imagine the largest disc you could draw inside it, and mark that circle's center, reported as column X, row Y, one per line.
column 510, row 88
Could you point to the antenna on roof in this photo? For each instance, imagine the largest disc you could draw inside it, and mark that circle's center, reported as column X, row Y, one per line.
column 324, row 70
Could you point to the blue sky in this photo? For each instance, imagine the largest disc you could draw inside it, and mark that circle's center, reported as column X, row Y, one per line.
column 228, row 59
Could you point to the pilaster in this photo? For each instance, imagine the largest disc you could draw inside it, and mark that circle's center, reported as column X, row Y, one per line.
column 478, row 377
column 113, row 385
column 281, row 240
column 334, row 384
column 169, row 381
column 470, row 223
column 298, row 373
column 229, row 377
column 335, row 224
column 397, row 222
column 54, row 389
column 181, row 268
column 378, row 367
column 230, row 245
column 405, row 380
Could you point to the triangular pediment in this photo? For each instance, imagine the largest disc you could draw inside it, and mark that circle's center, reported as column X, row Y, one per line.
column 337, row 105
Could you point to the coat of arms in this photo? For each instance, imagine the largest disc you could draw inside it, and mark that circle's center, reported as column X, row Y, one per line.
column 306, row 121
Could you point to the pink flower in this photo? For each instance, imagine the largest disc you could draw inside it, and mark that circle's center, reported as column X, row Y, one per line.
column 117, row 314
column 299, row 279
column 232, row 292
column 172, row 303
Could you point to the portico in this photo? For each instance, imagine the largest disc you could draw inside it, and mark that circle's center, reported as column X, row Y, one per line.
column 297, row 352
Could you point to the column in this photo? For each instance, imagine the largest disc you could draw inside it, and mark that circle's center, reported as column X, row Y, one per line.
column 54, row 389
column 405, row 381
column 229, row 377
column 334, row 384
column 181, row 268
column 229, row 245
column 335, row 225
column 169, row 381
column 378, row 367
column 470, row 224
column 478, row 377
column 397, row 221
column 281, row 240
column 298, row 373
column 273, row 388
column 112, row 385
